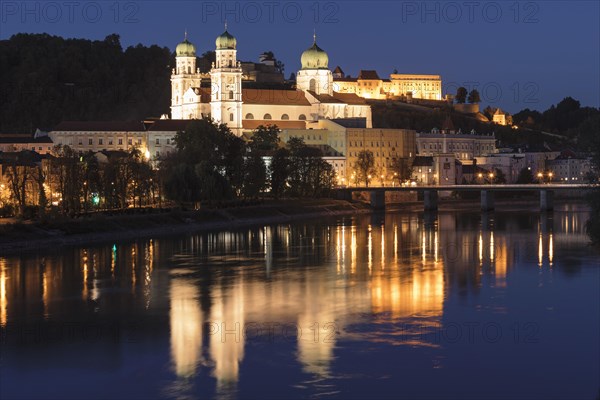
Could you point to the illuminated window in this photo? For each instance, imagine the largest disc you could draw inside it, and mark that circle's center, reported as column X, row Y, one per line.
column 302, row 117
column 267, row 116
column 249, row 116
column 285, row 117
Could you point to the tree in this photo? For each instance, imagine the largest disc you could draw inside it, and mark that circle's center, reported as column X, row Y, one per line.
column 309, row 174
column 280, row 172
column 364, row 166
column 255, row 176
column 474, row 97
column 265, row 138
column 208, row 165
column 461, row 95
column 401, row 169
column 525, row 176
column 499, row 177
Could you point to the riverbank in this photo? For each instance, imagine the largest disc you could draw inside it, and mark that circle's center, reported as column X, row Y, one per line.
column 27, row 236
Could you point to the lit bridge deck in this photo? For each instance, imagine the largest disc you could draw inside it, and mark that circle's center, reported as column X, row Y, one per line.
column 430, row 193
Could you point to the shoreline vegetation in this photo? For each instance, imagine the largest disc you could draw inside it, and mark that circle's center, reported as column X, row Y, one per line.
column 151, row 223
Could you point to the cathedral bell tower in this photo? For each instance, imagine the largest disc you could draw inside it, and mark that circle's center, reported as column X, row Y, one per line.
column 183, row 77
column 315, row 74
column 226, row 84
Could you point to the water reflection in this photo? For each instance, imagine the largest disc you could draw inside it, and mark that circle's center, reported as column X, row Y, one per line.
column 222, row 298
column 186, row 326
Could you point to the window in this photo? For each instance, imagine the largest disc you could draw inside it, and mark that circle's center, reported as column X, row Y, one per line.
column 302, row 117
column 110, row 142
column 285, row 117
column 139, row 142
column 231, row 117
column 249, row 116
column 312, row 85
column 120, row 141
column 231, row 95
column 80, row 142
column 157, row 141
column 100, row 142
column 168, row 141
column 130, row 141
column 267, row 116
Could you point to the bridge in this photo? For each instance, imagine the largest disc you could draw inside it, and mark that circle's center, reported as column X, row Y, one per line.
column 430, row 193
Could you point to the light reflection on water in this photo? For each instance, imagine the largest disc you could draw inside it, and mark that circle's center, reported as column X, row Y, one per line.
column 319, row 309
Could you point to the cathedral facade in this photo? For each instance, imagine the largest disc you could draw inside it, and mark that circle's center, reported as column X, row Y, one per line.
column 221, row 95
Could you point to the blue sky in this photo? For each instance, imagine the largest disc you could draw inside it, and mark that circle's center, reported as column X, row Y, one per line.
column 517, row 53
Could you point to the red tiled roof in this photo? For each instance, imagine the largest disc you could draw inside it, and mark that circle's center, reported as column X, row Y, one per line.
column 101, row 126
column 274, row 97
column 255, row 123
column 350, row 98
column 325, row 98
column 368, row 74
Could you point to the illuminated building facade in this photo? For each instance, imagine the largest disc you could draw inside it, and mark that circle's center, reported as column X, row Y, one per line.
column 223, row 97
column 369, row 85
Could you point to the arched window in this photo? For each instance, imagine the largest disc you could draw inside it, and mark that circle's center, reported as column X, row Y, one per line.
column 267, row 116
column 312, row 85
column 302, row 117
column 285, row 117
column 249, row 116
column 231, row 117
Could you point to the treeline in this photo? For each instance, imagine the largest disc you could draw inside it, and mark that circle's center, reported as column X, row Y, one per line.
column 48, row 79
column 211, row 167
column 580, row 126
column 399, row 117
column 69, row 183
column 568, row 118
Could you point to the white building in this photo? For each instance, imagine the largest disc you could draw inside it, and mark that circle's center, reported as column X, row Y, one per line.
column 569, row 168
column 221, row 96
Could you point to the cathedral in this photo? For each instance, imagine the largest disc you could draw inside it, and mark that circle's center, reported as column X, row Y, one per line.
column 243, row 109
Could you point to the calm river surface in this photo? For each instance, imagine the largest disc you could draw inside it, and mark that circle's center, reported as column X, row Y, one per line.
column 448, row 305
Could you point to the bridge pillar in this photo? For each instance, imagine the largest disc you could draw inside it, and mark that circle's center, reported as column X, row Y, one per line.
column 378, row 199
column 487, row 200
column 430, row 200
column 546, row 200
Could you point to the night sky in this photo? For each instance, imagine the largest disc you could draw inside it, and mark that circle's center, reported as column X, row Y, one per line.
column 518, row 54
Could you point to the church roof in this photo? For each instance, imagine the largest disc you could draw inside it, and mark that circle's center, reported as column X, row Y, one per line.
column 350, row 98
column 338, row 70
column 100, row 126
column 338, row 98
column 274, row 97
column 255, row 123
column 368, row 74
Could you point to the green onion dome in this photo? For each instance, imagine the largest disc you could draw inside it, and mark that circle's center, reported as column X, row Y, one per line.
column 226, row 41
column 315, row 58
column 185, row 49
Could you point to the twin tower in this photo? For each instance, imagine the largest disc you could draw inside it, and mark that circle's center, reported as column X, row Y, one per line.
column 226, row 95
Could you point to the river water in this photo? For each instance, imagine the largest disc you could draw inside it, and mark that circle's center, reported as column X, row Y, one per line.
column 403, row 305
